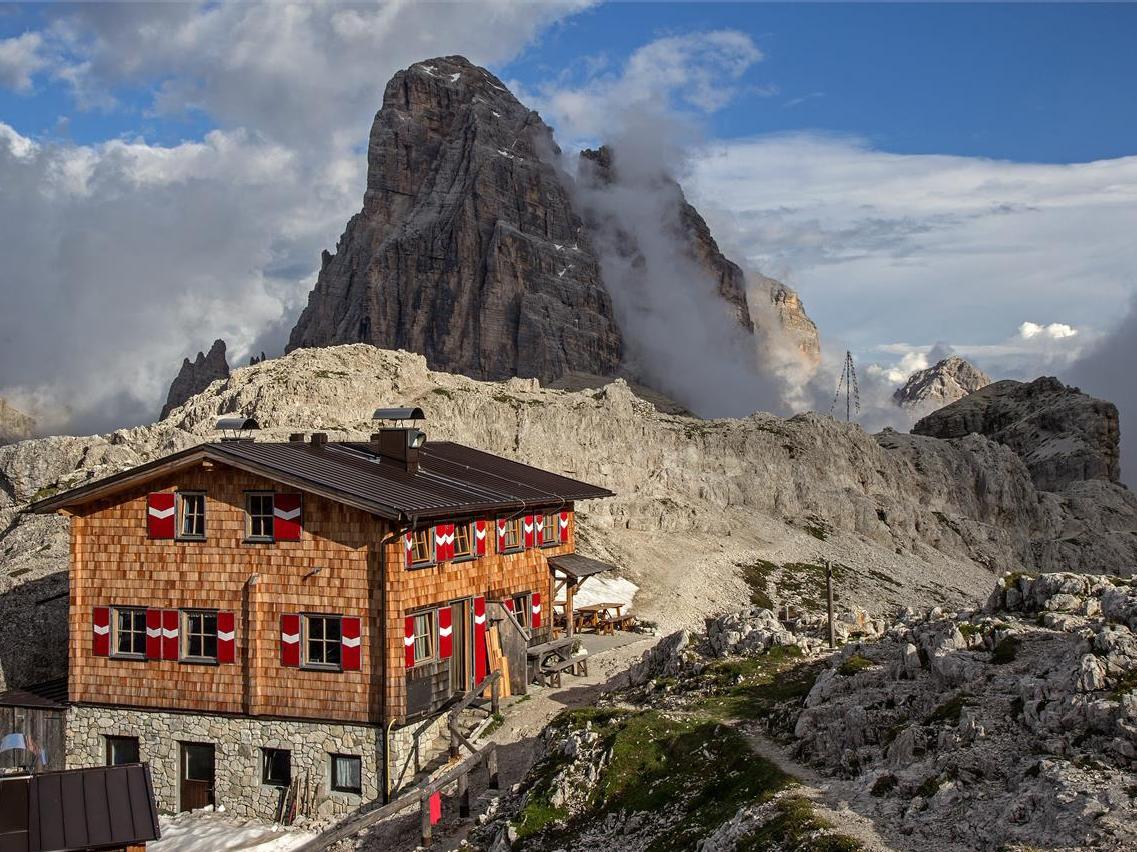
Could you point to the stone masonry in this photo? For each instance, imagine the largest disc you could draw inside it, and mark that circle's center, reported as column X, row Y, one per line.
column 238, row 741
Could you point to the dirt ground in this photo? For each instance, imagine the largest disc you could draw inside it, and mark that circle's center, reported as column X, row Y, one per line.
column 525, row 716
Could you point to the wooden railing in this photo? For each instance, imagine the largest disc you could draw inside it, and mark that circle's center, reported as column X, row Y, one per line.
column 492, row 681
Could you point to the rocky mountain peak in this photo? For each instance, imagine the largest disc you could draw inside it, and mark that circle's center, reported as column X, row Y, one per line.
column 195, row 376
column 941, row 384
column 14, row 424
column 470, row 247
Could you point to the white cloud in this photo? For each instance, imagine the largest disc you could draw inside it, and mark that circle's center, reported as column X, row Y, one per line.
column 1055, row 330
column 20, row 60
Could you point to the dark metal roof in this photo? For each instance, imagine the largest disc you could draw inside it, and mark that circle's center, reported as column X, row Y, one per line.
column 451, row 479
column 578, row 567
column 105, row 807
column 48, row 695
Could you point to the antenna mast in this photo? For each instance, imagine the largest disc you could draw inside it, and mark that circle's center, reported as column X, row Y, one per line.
column 848, row 382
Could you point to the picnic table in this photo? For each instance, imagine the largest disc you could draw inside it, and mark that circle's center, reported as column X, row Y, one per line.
column 603, row 617
column 551, row 658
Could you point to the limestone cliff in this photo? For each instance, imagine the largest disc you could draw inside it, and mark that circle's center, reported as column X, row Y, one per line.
column 1064, row 436
column 195, row 376
column 14, row 424
column 943, row 383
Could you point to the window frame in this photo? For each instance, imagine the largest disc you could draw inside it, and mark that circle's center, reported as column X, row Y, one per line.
column 514, row 524
column 250, row 536
column 334, row 782
column 137, row 612
column 306, row 662
column 554, row 539
column 184, row 636
column 110, row 739
column 431, row 634
column 266, row 781
column 525, row 617
column 428, row 533
column 470, row 537
column 179, row 516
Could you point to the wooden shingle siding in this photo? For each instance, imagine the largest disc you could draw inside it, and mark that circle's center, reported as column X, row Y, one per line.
column 116, row 563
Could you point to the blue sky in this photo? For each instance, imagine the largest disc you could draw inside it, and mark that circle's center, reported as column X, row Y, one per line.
column 928, row 176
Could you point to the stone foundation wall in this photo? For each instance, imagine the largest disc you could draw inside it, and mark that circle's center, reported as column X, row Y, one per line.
column 238, row 741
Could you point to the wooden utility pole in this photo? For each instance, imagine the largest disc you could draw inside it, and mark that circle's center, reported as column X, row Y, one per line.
column 829, row 601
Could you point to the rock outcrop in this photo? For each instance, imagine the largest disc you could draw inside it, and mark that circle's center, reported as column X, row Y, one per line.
column 195, row 376
column 943, row 383
column 467, row 249
column 1064, row 436
column 14, row 424
column 470, row 248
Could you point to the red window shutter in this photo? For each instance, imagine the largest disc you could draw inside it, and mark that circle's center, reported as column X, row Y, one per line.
column 481, row 529
column 528, row 527
column 226, row 637
column 286, row 517
column 170, row 620
column 160, row 514
column 508, row 604
column 349, row 644
column 409, row 543
column 409, row 640
column 445, row 633
column 443, row 542
column 290, row 640
column 535, row 609
column 153, row 634
column 101, row 631
column 502, row 524
column 563, row 527
column 539, row 529
column 479, row 640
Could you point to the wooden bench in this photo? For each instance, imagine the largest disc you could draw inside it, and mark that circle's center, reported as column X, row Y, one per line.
column 551, row 673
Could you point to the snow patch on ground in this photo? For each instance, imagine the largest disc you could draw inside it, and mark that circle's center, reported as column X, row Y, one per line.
column 601, row 589
column 207, row 831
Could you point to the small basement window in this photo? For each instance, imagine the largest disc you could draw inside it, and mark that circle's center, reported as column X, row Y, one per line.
column 276, row 767
column 322, row 637
column 513, row 540
column 129, row 638
column 422, row 546
column 191, row 515
column 199, row 636
column 424, row 636
column 258, row 513
column 121, row 750
column 550, row 530
column 463, row 541
column 347, row 773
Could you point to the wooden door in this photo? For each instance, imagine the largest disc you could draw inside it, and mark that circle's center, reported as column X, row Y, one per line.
column 196, row 776
column 460, row 648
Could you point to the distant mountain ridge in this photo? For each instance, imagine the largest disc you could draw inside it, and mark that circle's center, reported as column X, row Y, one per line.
column 941, row 384
column 15, row 425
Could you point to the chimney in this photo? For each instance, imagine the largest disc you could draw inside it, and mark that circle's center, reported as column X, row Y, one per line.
column 319, row 439
column 400, row 445
column 296, row 438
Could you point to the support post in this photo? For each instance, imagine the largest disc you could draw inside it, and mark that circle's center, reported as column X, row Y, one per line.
column 495, row 693
column 491, row 767
column 464, row 795
column 829, row 601
column 452, row 722
column 570, row 616
column 424, row 814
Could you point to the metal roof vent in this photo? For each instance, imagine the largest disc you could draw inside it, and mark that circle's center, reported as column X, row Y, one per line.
column 234, row 426
column 398, row 414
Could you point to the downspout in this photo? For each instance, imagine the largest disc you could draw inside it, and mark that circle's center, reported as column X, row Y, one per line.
column 393, row 537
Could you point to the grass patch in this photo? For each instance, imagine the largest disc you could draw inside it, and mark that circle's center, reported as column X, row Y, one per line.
column 45, row 492
column 929, row 787
column 756, row 575
column 795, row 829
column 950, row 710
column 969, row 630
column 330, row 374
column 1125, row 683
column 1005, row 651
column 537, row 816
column 750, row 687
column 854, row 664
column 817, row 527
column 443, row 392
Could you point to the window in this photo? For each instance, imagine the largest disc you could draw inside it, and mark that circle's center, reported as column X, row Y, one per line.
column 276, row 767
column 513, row 539
column 424, row 636
column 521, row 609
column 550, row 530
column 347, row 773
column 463, row 541
column 122, row 750
column 322, row 641
column 129, row 638
column 258, row 511
column 422, row 547
column 191, row 515
column 199, row 635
